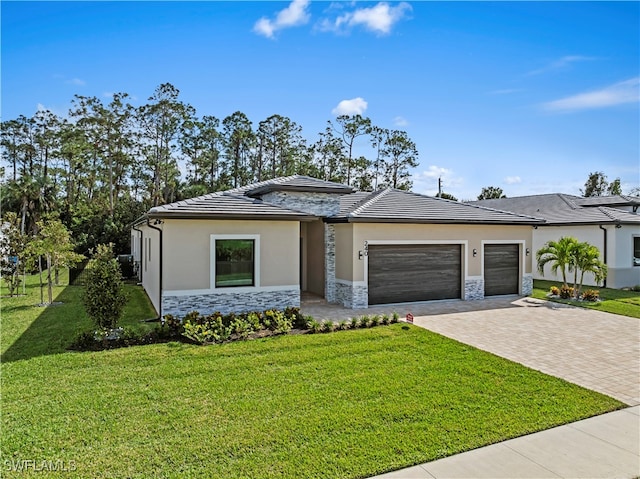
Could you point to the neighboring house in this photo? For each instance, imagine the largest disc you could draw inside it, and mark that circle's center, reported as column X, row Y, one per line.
column 611, row 223
column 259, row 246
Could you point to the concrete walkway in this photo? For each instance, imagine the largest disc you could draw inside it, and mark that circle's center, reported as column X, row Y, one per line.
column 597, row 350
column 605, row 446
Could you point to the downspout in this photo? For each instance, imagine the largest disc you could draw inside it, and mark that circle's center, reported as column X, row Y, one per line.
column 604, row 282
column 159, row 230
column 133, row 227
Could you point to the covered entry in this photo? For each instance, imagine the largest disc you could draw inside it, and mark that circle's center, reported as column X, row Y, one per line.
column 414, row 272
column 501, row 269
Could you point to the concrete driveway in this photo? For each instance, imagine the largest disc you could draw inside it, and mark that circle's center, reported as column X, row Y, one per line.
column 600, row 351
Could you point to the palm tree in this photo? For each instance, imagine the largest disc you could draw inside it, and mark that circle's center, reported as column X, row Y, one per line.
column 559, row 254
column 587, row 260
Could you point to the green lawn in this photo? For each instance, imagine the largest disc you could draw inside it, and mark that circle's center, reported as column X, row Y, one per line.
column 626, row 303
column 348, row 404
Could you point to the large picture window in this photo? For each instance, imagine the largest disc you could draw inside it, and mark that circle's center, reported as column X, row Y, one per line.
column 235, row 262
column 636, row 250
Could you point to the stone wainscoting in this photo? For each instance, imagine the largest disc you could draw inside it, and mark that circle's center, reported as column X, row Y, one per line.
column 474, row 288
column 352, row 295
column 527, row 284
column 230, row 302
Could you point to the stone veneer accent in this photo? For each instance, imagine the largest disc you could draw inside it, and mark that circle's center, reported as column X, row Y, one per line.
column 330, row 263
column 527, row 284
column 318, row 204
column 352, row 296
column 230, row 302
column 473, row 289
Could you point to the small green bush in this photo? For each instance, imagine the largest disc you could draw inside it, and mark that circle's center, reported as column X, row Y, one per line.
column 375, row 320
column 395, row 317
column 328, row 326
column 104, row 296
column 385, row 319
column 342, row 325
column 365, row 321
column 354, row 322
column 314, row 326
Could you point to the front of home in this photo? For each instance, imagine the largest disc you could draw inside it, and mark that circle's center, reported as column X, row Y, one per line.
column 260, row 246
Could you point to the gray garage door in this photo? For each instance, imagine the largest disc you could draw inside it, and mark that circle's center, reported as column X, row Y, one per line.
column 501, row 269
column 405, row 273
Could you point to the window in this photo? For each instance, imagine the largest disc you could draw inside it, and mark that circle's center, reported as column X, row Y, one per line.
column 636, row 250
column 235, row 265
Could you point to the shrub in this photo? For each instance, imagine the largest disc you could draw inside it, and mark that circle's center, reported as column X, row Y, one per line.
column 314, row 326
column 328, row 326
column 375, row 320
column 636, row 288
column 591, row 295
column 342, row 325
column 364, row 321
column 354, row 322
column 298, row 321
column 385, row 319
column 566, row 292
column 104, row 296
column 241, row 327
column 554, row 290
column 395, row 317
column 172, row 323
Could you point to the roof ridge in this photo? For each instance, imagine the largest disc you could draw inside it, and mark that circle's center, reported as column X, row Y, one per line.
column 369, row 201
column 252, row 186
column 572, row 204
column 607, row 211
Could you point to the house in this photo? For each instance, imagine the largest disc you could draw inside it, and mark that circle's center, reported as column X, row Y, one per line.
column 611, row 223
column 261, row 245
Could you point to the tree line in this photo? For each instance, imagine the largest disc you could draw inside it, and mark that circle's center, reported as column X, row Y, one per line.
column 106, row 163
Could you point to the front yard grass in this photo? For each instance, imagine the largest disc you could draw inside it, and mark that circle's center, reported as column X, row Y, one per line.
column 617, row 301
column 349, row 404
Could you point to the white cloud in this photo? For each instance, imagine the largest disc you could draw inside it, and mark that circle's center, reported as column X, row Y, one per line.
column 379, row 19
column 400, row 121
column 426, row 181
column 560, row 64
column 295, row 14
column 355, row 106
column 512, row 180
column 627, row 91
column 76, row 81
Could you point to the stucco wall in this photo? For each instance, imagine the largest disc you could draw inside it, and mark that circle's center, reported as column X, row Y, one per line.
column 474, row 235
column 150, row 264
column 622, row 272
column 619, row 251
column 187, row 255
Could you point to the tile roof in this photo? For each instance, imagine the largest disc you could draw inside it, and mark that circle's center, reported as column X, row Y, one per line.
column 616, row 200
column 561, row 209
column 295, row 183
column 225, row 205
column 398, row 206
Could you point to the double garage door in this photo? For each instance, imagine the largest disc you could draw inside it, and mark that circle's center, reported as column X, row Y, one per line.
column 424, row 272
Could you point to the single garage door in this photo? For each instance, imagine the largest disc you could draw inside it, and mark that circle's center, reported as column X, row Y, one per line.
column 501, row 269
column 406, row 273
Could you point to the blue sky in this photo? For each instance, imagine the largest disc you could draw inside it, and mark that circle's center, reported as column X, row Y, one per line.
column 527, row 96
